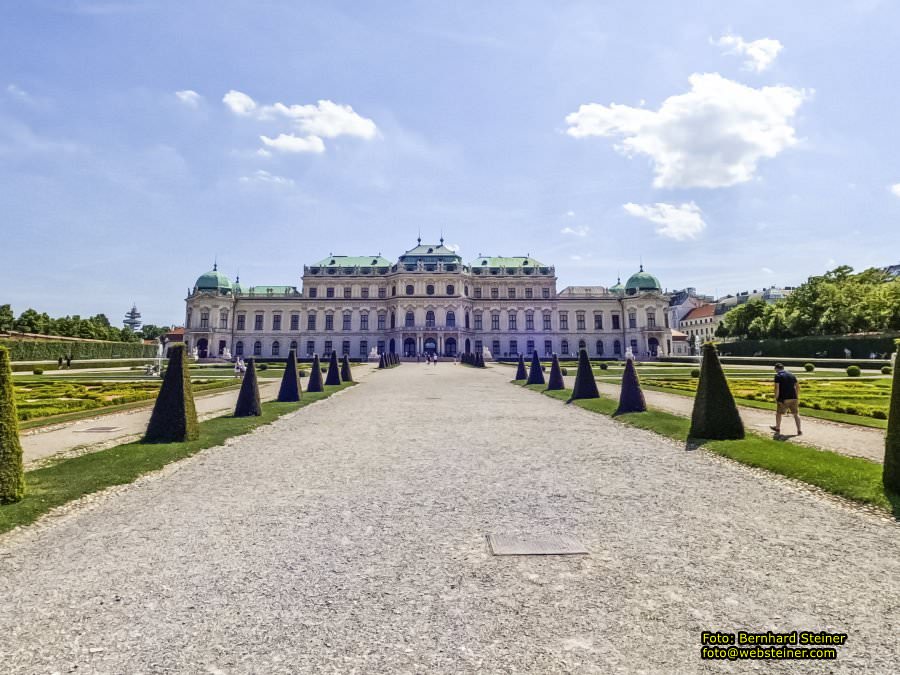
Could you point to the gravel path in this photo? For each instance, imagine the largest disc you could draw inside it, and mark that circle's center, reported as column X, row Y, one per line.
column 350, row 537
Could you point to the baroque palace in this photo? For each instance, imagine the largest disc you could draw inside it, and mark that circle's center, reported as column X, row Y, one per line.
column 427, row 301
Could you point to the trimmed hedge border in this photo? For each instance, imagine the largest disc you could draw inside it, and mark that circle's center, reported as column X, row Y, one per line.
column 80, row 365
column 50, row 350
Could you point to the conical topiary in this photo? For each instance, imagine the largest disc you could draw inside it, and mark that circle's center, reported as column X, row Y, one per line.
column 314, row 384
column 535, row 374
column 891, row 472
column 289, row 391
column 12, row 474
column 334, row 372
column 585, row 384
column 555, row 381
column 715, row 416
column 174, row 417
column 248, row 404
column 381, row 362
column 521, row 371
column 346, row 375
column 631, row 398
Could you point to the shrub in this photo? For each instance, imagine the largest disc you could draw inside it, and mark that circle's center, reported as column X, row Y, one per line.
column 381, row 363
column 315, row 376
column 174, row 417
column 334, row 374
column 695, row 372
column 303, row 372
column 49, row 350
column 346, row 375
column 604, row 366
column 631, row 398
column 585, row 385
column 12, row 474
column 521, row 371
column 565, row 372
column 891, row 473
column 808, row 367
column 248, row 404
column 38, row 371
column 555, row 382
column 535, row 374
column 853, row 371
column 263, row 366
column 289, row 391
column 715, row 416
column 886, row 370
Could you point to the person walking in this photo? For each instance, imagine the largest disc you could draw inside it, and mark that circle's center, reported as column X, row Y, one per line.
column 787, row 397
column 435, row 357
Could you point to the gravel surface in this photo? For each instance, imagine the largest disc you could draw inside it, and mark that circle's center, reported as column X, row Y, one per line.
column 350, row 537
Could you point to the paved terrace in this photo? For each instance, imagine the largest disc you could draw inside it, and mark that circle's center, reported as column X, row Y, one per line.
column 350, row 537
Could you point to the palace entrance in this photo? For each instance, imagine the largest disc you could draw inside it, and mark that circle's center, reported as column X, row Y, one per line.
column 429, row 346
column 202, row 348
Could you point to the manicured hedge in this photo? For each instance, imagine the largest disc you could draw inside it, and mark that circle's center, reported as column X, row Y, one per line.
column 50, row 350
column 833, row 346
column 24, row 366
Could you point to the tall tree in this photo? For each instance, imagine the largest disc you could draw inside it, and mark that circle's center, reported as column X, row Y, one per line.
column 12, row 476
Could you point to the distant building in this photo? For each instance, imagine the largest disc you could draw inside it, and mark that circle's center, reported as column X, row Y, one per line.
column 133, row 319
column 701, row 322
column 893, row 270
column 682, row 302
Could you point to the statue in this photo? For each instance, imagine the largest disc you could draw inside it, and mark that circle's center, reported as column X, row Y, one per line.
column 194, row 351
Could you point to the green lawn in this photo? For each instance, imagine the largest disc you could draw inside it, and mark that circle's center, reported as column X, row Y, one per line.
column 60, row 482
column 853, row 478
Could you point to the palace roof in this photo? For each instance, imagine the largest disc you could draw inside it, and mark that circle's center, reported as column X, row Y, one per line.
column 353, row 261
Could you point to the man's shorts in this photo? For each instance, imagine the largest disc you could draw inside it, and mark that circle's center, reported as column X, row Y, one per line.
column 788, row 406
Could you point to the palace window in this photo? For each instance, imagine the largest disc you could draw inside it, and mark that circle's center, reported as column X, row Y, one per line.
column 495, row 348
column 512, row 321
column 616, row 324
column 563, row 321
column 380, row 347
column 529, row 320
column 651, row 318
column 204, row 319
column 582, row 345
column 241, row 321
column 276, row 322
column 467, row 320
column 545, row 293
column 239, row 348
column 429, row 289
column 579, row 320
column 478, row 292
column 258, row 322
column 345, row 348
column 327, row 351
column 257, row 348
column 478, row 346
column 276, row 348
column 429, row 319
column 529, row 348
column 478, row 321
column 363, row 348
column 329, row 292
column 451, row 320
column 495, row 293
column 632, row 320
column 364, row 321
column 495, row 321
column 634, row 347
column 410, row 320
column 511, row 292
column 548, row 347
column 393, row 320
column 564, row 347
column 599, row 348
column 365, row 292
column 346, row 321
column 329, row 322
column 529, row 293
column 598, row 321
column 450, row 289
column 293, row 347
column 617, row 347
column 393, row 292
column 348, row 292
column 223, row 319
column 409, row 289
column 548, row 321
column 311, row 321
column 295, row 322
column 381, row 321
column 310, row 347
column 513, row 347
column 312, row 292
column 382, row 292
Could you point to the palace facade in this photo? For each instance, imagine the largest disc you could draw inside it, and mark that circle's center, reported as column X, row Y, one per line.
column 429, row 300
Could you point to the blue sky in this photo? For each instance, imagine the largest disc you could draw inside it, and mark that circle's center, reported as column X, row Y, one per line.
column 745, row 147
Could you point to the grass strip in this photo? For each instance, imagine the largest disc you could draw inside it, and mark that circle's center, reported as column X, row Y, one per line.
column 853, row 478
column 68, row 479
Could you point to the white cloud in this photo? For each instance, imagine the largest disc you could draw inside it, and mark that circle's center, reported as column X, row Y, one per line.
column 19, row 93
column 570, row 213
column 712, row 136
column 292, row 143
column 579, row 231
column 314, row 121
column 575, row 257
column 767, row 270
column 676, row 222
column 895, row 189
column 261, row 176
column 759, row 54
column 189, row 97
column 453, row 247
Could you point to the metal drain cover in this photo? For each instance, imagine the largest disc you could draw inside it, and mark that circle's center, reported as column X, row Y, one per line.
column 502, row 544
column 98, row 430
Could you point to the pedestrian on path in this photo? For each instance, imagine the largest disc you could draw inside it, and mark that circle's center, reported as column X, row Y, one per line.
column 435, row 359
column 787, row 397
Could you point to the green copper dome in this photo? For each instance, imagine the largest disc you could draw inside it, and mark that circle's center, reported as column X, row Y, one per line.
column 213, row 281
column 617, row 288
column 642, row 281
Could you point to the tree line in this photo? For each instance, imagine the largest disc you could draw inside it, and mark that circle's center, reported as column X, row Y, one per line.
column 95, row 327
column 838, row 302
